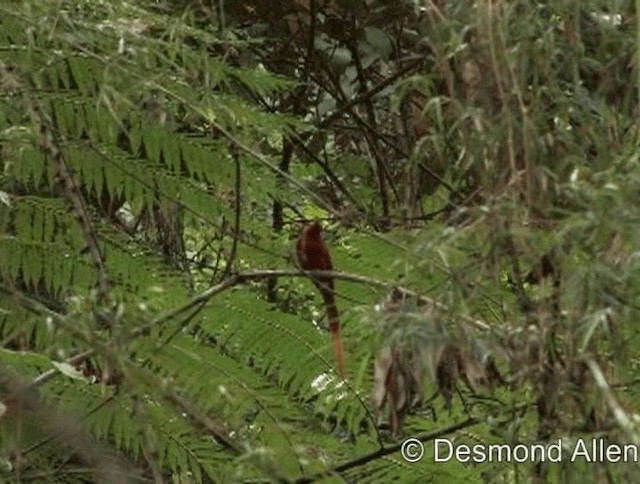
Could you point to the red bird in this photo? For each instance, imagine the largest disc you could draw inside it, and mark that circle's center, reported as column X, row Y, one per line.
column 313, row 255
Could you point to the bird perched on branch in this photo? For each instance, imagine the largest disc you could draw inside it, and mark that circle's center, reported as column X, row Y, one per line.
column 313, row 255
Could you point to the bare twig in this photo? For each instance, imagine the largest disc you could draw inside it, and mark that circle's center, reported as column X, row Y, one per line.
column 237, row 206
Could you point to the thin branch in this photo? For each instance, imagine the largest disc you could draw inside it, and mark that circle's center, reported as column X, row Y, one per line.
column 306, row 151
column 243, row 277
column 215, row 428
column 625, row 423
column 359, row 99
column 382, row 172
column 365, row 459
column 237, row 207
column 310, row 40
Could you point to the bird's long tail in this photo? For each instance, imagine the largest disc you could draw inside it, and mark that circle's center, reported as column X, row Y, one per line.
column 334, row 329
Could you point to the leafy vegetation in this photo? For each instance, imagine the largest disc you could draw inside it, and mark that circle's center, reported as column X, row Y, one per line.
column 475, row 165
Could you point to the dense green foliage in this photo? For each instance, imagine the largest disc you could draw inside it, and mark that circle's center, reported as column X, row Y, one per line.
column 158, row 159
